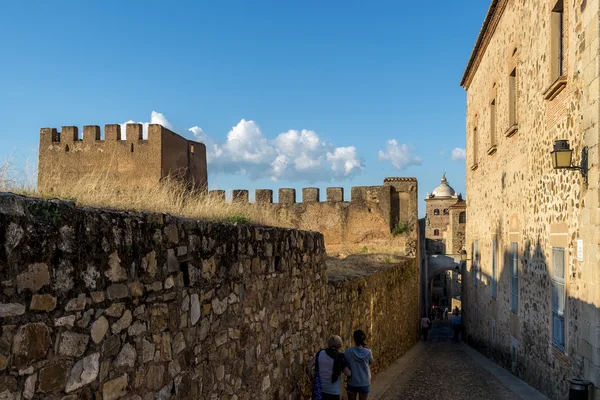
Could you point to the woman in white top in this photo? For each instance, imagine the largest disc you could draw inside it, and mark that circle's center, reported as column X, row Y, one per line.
column 329, row 363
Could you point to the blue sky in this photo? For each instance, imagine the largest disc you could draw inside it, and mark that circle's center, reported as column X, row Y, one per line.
column 252, row 75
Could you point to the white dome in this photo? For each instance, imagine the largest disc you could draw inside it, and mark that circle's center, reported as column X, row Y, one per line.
column 444, row 190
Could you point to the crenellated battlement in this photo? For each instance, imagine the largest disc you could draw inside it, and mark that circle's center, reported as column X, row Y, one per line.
column 112, row 133
column 124, row 156
column 369, row 216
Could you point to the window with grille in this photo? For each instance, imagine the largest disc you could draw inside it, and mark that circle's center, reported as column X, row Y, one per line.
column 462, row 217
column 558, row 297
column 514, row 277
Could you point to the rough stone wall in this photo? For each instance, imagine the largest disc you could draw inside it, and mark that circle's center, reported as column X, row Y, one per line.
column 366, row 220
column 65, row 158
column 365, row 303
column 455, row 236
column 514, row 195
column 147, row 306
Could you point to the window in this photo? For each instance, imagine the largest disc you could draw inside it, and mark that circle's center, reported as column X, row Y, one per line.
column 494, row 270
column 436, row 212
column 462, row 217
column 474, row 146
column 476, row 263
column 436, row 232
column 192, row 148
column 514, row 277
column 446, row 211
column 512, row 98
column 493, row 124
column 558, row 297
column 558, row 41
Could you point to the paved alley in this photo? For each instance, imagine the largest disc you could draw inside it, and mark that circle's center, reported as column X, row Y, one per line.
column 443, row 369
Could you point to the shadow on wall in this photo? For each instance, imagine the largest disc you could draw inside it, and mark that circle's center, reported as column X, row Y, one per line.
column 525, row 318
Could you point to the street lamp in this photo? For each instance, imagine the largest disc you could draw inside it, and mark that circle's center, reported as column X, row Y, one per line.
column 562, row 158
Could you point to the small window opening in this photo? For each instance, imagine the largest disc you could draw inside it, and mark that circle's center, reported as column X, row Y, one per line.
column 436, row 212
column 512, row 93
column 436, row 232
column 67, row 148
column 558, row 40
column 493, row 123
column 192, row 148
column 132, row 147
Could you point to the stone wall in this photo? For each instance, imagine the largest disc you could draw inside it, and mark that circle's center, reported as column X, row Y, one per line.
column 127, row 161
column 147, row 306
column 367, row 220
column 515, row 195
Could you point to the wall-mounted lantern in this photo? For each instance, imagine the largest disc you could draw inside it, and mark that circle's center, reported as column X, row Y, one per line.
column 463, row 256
column 562, row 158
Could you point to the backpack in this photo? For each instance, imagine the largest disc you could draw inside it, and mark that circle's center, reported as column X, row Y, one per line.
column 317, row 391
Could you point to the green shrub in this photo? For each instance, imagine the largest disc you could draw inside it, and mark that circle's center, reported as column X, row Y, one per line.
column 237, row 219
column 401, row 228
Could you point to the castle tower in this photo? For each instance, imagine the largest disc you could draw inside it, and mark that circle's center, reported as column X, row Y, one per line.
column 437, row 205
column 126, row 163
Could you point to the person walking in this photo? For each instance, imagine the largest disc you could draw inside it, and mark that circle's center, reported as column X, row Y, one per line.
column 446, row 314
column 359, row 360
column 325, row 369
column 457, row 325
column 425, row 326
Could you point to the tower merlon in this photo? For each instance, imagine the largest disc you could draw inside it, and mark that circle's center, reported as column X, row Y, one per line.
column 263, row 196
column 91, row 134
column 310, row 195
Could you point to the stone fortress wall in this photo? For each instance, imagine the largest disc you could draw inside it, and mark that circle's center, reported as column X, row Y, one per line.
column 367, row 220
column 65, row 158
column 148, row 306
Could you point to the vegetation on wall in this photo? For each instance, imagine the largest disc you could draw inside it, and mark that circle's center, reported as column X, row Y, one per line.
column 401, row 228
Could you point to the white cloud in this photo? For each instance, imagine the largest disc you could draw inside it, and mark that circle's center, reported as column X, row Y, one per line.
column 292, row 155
column 458, row 154
column 155, row 118
column 399, row 155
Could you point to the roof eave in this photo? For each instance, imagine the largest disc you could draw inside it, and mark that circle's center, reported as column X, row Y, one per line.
column 487, row 30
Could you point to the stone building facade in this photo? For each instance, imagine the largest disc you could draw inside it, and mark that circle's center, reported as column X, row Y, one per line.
column 65, row 158
column 438, row 205
column 531, row 290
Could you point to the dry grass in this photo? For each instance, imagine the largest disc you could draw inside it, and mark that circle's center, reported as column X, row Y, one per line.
column 169, row 196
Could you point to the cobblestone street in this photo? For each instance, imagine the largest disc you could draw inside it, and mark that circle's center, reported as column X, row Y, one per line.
column 444, row 369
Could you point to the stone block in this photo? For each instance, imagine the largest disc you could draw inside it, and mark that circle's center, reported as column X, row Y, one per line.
column 53, row 376
column 36, row 277
column 287, row 196
column 263, row 196
column 84, row 372
column 240, row 196
column 31, row 343
column 217, row 195
column 335, row 194
column 310, row 195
